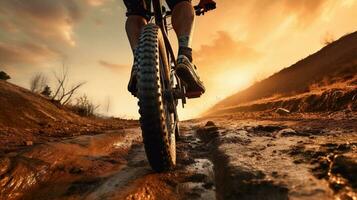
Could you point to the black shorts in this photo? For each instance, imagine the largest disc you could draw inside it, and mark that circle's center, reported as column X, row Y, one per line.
column 142, row 7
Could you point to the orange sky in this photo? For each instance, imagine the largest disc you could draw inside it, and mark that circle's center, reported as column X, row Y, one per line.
column 239, row 43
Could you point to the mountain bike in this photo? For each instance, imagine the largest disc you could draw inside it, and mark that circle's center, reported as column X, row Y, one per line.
column 159, row 90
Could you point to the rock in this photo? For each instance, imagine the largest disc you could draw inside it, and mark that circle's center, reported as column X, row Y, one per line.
column 196, row 178
column 208, row 185
column 208, row 133
column 210, row 123
column 274, row 174
column 287, row 132
column 75, row 170
column 29, row 143
column 344, row 147
column 298, row 161
column 346, row 165
column 282, row 111
column 42, row 123
column 268, row 128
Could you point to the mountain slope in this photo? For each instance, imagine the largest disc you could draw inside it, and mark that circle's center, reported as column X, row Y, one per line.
column 21, row 108
column 27, row 118
column 334, row 63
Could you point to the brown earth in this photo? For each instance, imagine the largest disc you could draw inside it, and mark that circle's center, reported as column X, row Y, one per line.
column 247, row 156
column 335, row 97
column 300, row 156
column 27, row 119
column 47, row 152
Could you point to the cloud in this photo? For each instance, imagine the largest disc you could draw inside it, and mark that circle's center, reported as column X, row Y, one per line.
column 44, row 20
column 304, row 10
column 38, row 30
column 25, row 53
column 224, row 51
column 98, row 22
column 304, row 7
column 8, row 26
column 255, row 20
column 96, row 2
column 112, row 66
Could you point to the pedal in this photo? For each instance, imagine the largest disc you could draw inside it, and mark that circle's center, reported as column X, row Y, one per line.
column 192, row 95
column 178, row 94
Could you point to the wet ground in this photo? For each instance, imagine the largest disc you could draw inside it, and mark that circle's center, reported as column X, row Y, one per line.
column 227, row 157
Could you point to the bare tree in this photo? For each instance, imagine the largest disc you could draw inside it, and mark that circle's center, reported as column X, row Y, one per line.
column 63, row 94
column 38, row 83
column 84, row 106
column 108, row 104
column 46, row 91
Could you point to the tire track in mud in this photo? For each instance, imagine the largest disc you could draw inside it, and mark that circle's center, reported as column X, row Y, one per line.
column 277, row 160
column 193, row 178
column 243, row 159
column 107, row 166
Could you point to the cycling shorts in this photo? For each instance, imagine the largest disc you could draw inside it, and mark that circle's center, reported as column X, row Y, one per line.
column 143, row 7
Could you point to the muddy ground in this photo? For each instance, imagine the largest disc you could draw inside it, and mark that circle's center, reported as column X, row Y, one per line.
column 241, row 156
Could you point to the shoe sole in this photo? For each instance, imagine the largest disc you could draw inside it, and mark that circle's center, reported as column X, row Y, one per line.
column 186, row 77
column 132, row 89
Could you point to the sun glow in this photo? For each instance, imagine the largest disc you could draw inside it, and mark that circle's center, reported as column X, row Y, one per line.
column 234, row 46
column 230, row 81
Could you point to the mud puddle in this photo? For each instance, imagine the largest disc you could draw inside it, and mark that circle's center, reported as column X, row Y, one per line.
column 193, row 178
column 108, row 166
column 48, row 171
column 219, row 159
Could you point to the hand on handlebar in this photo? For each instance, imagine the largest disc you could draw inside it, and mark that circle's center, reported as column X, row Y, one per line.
column 204, row 6
column 207, row 5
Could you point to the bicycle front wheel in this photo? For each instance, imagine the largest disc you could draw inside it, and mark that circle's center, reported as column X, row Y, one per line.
column 157, row 122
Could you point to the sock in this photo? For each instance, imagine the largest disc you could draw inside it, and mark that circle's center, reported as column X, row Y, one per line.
column 185, row 46
column 186, row 51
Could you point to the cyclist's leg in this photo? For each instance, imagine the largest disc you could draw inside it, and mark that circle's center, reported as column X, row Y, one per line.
column 183, row 16
column 137, row 13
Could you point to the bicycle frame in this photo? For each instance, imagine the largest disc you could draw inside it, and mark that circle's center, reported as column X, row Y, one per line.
column 160, row 15
column 160, row 20
column 169, row 63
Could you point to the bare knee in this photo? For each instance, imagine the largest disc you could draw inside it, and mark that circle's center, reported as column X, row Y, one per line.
column 183, row 16
column 184, row 9
column 135, row 21
column 133, row 26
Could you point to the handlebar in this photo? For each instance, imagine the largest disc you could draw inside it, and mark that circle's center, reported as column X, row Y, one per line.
column 198, row 9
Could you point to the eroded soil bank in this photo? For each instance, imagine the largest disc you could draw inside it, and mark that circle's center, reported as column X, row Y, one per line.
column 291, row 157
column 241, row 156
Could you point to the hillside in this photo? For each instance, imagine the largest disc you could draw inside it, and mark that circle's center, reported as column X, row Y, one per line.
column 334, row 64
column 20, row 108
column 27, row 118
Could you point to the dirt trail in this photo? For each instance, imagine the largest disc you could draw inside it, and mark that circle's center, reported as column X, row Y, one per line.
column 229, row 157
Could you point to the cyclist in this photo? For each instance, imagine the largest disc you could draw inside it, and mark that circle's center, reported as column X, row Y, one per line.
column 138, row 13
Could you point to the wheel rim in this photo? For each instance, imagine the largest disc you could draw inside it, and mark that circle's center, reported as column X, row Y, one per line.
column 169, row 116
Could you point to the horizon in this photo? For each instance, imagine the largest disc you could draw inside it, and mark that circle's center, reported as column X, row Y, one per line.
column 89, row 37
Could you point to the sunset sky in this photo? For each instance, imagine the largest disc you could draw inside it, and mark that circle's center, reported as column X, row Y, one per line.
column 241, row 42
